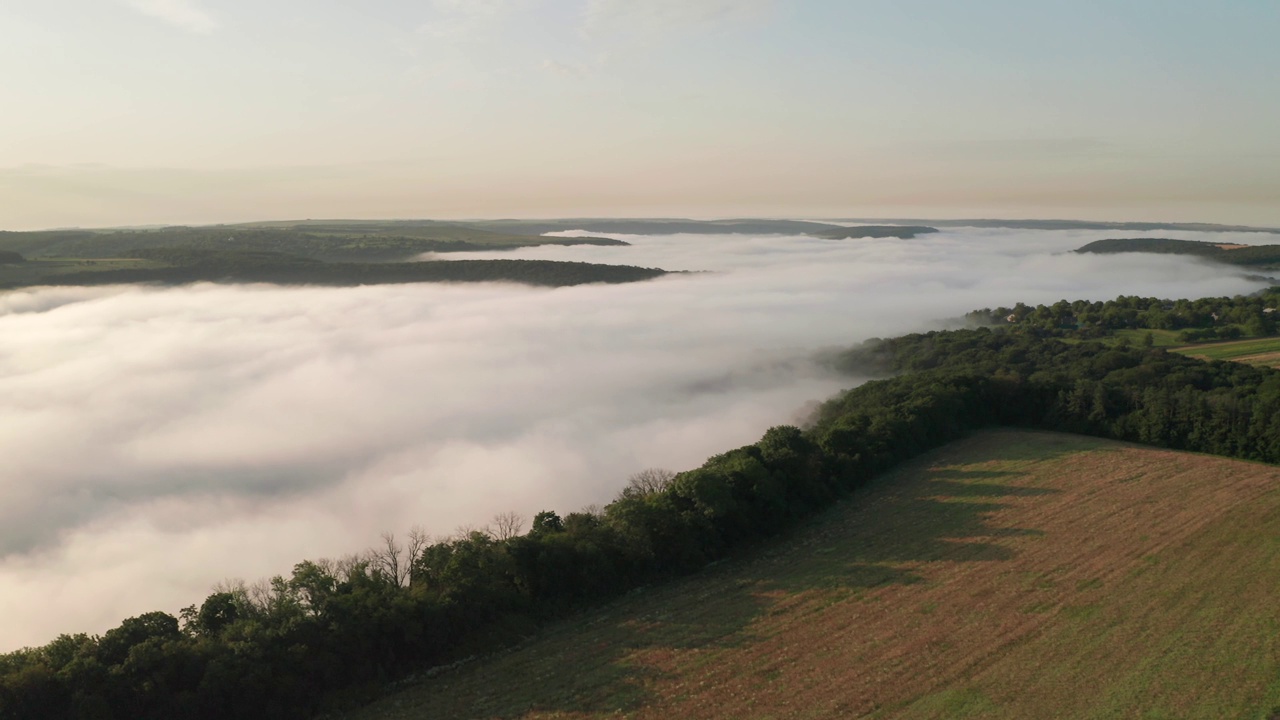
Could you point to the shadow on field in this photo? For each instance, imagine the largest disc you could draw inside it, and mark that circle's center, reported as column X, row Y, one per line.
column 661, row 639
column 935, row 515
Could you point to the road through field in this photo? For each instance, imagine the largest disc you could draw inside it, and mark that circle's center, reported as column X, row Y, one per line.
column 1011, row 575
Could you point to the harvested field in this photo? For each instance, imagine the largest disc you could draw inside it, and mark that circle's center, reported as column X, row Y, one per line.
column 1011, row 575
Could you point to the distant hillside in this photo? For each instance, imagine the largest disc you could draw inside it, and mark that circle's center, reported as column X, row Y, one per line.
column 1070, row 225
column 354, row 241
column 1011, row 575
column 398, row 240
column 903, row 232
column 656, row 226
column 1219, row 252
column 172, row 266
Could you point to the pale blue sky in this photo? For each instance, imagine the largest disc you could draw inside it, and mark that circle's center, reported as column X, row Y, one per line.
column 142, row 111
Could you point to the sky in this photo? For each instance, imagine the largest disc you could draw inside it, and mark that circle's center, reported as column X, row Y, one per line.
column 159, row 441
column 123, row 112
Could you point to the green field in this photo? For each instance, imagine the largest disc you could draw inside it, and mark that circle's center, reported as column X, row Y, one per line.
column 1246, row 350
column 1254, row 350
column 1011, row 575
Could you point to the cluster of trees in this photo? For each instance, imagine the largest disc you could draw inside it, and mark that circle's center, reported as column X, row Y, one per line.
column 1121, row 391
column 1228, row 332
column 8, row 257
column 330, row 630
column 1251, row 255
column 1084, row 319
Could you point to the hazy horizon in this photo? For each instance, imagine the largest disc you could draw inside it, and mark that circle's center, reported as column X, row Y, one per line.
column 956, row 221
column 139, row 112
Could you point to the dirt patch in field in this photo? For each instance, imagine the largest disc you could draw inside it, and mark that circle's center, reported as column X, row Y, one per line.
column 1271, row 359
column 1228, row 246
column 1011, row 575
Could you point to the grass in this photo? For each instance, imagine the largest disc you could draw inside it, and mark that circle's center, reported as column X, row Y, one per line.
column 1160, row 338
column 1253, row 351
column 1012, row 575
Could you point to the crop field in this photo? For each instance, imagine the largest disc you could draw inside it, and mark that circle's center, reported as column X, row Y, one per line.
column 1253, row 351
column 1011, row 575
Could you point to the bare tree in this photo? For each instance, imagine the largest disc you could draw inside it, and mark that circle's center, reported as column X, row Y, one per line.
column 418, row 541
column 389, row 559
column 238, row 589
column 464, row 532
column 344, row 567
column 649, row 481
column 506, row 526
column 259, row 594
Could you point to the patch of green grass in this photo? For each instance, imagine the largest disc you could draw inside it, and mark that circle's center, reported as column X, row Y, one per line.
column 1159, row 338
column 1232, row 350
column 956, row 703
column 1079, row 612
column 1090, row 584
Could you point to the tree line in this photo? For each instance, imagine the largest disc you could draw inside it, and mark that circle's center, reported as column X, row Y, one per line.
column 1205, row 318
column 331, row 631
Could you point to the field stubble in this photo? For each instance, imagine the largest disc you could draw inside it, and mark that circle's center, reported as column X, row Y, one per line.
column 1011, row 575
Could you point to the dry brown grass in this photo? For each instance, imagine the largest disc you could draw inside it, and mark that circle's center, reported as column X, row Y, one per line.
column 1271, row 359
column 1011, row 575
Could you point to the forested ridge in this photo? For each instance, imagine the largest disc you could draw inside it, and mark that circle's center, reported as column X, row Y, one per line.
column 182, row 265
column 1218, row 252
column 284, row 270
column 332, row 631
column 343, row 242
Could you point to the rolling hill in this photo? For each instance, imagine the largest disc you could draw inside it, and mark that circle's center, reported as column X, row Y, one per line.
column 349, row 241
column 1013, row 574
column 177, row 266
column 1257, row 255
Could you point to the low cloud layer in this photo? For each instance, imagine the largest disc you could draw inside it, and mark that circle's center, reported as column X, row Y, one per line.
column 160, row 440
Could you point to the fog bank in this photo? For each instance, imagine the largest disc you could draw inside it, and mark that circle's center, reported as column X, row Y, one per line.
column 160, row 440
